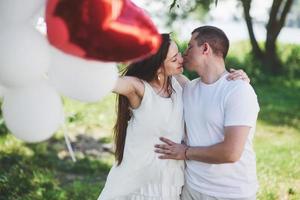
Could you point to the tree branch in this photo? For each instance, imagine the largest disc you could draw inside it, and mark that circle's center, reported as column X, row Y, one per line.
column 273, row 15
column 284, row 13
column 247, row 6
column 173, row 4
column 276, row 21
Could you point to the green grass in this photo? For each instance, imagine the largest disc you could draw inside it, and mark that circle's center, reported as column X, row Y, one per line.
column 277, row 139
column 34, row 171
column 278, row 158
column 45, row 171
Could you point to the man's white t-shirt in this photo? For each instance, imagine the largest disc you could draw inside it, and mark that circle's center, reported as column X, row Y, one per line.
column 208, row 109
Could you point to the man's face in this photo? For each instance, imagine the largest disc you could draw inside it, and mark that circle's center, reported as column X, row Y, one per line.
column 193, row 57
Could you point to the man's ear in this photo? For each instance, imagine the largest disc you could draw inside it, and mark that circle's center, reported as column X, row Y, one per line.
column 206, row 48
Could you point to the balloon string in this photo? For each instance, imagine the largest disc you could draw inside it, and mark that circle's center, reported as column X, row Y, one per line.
column 67, row 140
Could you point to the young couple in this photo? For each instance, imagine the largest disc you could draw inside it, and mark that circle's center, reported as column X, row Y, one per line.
column 180, row 139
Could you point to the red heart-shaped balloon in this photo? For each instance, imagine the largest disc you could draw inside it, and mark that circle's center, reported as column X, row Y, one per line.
column 107, row 30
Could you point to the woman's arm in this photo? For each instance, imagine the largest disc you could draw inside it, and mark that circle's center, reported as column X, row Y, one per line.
column 238, row 74
column 131, row 87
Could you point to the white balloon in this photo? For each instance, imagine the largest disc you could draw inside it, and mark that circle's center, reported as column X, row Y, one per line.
column 79, row 79
column 18, row 11
column 24, row 56
column 34, row 113
column 38, row 21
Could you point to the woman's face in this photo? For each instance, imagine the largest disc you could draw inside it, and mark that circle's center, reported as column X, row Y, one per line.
column 173, row 64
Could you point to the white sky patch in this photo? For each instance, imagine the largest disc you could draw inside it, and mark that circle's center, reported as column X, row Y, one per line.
column 223, row 17
column 226, row 9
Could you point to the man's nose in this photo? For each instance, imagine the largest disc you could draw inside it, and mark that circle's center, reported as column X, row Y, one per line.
column 184, row 53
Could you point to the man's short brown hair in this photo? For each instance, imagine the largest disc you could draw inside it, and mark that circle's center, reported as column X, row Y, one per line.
column 215, row 37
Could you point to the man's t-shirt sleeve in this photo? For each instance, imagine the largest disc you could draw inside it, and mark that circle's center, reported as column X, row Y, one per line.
column 241, row 106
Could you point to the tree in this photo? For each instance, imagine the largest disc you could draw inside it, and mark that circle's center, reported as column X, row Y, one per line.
column 268, row 55
column 277, row 16
column 187, row 8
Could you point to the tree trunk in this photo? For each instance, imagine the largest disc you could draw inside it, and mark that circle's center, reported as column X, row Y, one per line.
column 271, row 60
column 255, row 47
column 269, row 56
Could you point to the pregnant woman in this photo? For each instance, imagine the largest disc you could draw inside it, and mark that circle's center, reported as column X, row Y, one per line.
column 149, row 107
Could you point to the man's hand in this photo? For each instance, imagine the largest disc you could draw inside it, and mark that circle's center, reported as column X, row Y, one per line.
column 171, row 150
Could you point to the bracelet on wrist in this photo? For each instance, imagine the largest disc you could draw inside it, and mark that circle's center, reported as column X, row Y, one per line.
column 185, row 152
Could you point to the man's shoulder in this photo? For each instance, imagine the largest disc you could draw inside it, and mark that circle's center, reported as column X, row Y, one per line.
column 239, row 88
column 233, row 85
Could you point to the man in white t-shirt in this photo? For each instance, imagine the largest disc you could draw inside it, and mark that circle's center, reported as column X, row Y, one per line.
column 220, row 118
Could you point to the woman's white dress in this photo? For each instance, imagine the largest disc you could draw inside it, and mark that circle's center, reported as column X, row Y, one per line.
column 142, row 175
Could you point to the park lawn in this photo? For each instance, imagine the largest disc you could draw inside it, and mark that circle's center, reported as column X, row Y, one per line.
column 277, row 139
column 278, row 157
column 45, row 171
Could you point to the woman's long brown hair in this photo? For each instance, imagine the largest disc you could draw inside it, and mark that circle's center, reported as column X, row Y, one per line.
column 146, row 70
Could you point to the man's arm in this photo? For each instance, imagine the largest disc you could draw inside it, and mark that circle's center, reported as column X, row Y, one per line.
column 228, row 151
